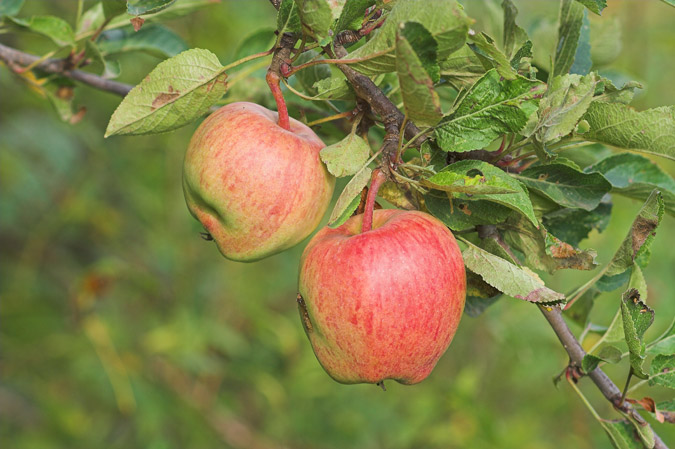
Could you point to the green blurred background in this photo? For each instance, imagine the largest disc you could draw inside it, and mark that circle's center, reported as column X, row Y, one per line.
column 121, row 328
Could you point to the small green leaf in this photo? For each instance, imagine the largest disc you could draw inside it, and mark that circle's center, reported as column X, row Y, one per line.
column 316, row 17
column 636, row 177
column 176, row 92
column 663, row 371
column 91, row 19
column 352, row 15
column 640, row 235
column 10, row 7
column 637, row 317
column 153, row 39
column 669, row 2
column 415, row 71
column 566, row 100
column 444, row 19
column 609, row 354
column 479, row 295
column 334, row 88
column 106, row 68
column 651, row 131
column 349, row 198
column 347, row 156
column 594, row 5
column 566, row 186
column 450, row 181
column 514, row 36
column 570, row 21
column 55, row 28
column 139, row 7
column 506, row 277
column 491, row 108
column 486, row 50
column 622, row 434
column 609, row 93
column 606, row 40
column 518, row 201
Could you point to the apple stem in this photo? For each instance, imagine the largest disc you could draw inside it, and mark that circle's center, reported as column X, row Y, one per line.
column 376, row 180
column 274, row 80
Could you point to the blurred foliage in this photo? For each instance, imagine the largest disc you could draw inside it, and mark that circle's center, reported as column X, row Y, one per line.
column 120, row 327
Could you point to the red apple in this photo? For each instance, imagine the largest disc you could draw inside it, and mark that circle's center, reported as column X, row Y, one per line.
column 257, row 188
column 385, row 303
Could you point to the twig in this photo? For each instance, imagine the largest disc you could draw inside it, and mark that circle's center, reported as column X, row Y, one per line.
column 576, row 353
column 14, row 58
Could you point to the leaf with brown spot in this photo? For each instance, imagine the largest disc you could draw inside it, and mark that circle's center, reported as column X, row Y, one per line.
column 640, row 236
column 178, row 91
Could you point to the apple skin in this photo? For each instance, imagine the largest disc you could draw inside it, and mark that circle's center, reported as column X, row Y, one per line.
column 383, row 304
column 257, row 188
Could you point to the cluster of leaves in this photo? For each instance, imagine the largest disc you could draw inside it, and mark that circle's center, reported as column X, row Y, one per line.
column 495, row 124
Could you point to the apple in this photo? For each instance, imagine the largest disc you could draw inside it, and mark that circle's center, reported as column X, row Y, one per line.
column 256, row 187
column 384, row 303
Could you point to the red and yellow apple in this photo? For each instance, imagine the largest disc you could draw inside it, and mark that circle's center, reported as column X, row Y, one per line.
column 257, row 188
column 385, row 303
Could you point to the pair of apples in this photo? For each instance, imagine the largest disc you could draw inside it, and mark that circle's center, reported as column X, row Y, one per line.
column 376, row 305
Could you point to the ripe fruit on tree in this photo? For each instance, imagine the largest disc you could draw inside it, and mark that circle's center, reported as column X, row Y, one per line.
column 257, row 188
column 384, row 303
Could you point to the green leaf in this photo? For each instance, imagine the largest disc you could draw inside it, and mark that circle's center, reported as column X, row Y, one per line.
column 10, row 7
column 566, row 186
column 288, row 20
column 334, row 88
column 669, row 2
column 91, row 19
column 60, row 94
column 514, row 36
column 55, row 28
column 574, row 225
column 352, row 15
column 518, row 201
column 665, row 344
column 349, row 199
column 582, row 57
column 486, row 50
column 567, row 99
column 636, row 177
column 606, row 40
column 316, row 17
column 139, row 7
column 542, row 250
column 651, row 131
column 113, row 8
column 581, row 309
column 347, row 156
column 153, row 39
column 570, row 21
column 491, row 108
column 637, row 317
column 594, row 5
column 506, row 277
column 420, row 100
column 444, row 19
column 609, row 354
column 176, row 92
column 639, row 237
column 459, row 214
column 609, row 93
column 451, row 181
column 663, row 371
column 621, row 434
column 462, row 69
